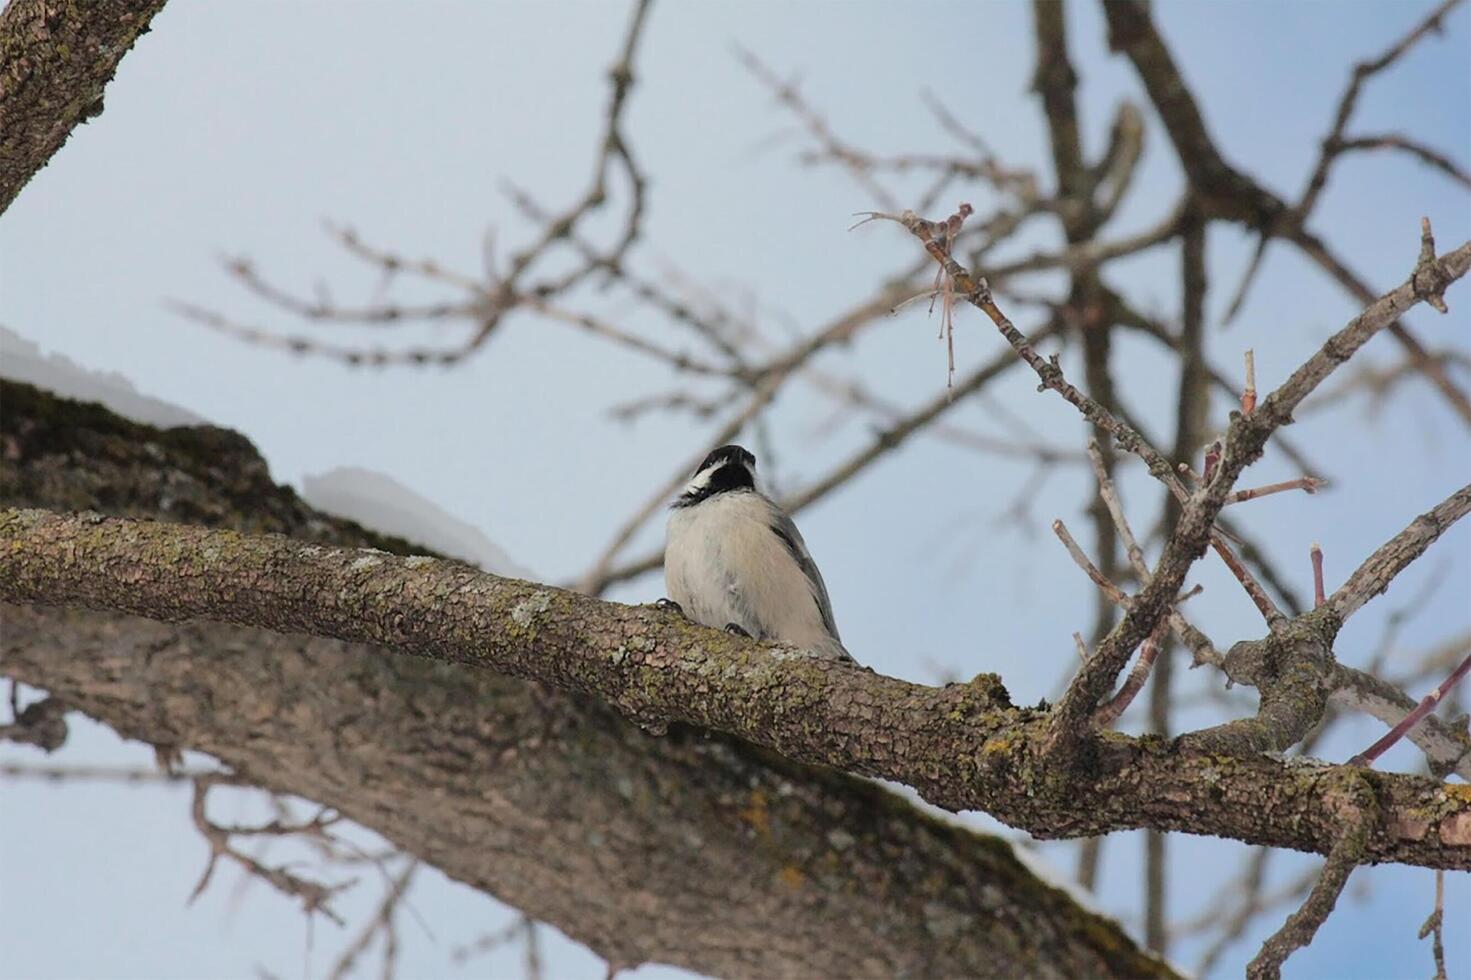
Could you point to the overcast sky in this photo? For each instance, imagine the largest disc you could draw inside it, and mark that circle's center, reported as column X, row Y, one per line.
column 239, row 128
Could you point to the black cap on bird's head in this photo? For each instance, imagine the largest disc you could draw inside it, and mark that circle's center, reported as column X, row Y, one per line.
column 727, row 468
column 727, row 455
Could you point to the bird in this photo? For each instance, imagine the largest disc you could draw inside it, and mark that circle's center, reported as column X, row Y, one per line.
column 733, row 559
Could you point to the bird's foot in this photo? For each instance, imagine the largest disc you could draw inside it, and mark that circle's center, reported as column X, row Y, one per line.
column 670, row 604
column 736, row 629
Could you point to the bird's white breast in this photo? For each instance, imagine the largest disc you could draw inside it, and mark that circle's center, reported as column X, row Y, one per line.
column 723, row 564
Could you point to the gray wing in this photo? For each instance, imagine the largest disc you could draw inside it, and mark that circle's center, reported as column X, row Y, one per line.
column 787, row 531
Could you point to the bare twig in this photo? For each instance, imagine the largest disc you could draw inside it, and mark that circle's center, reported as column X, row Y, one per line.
column 314, row 897
column 1114, row 593
column 1397, row 141
column 1316, row 554
column 381, row 923
column 1248, row 395
column 1434, row 927
column 884, row 442
column 1303, row 924
column 1333, row 143
column 1307, row 484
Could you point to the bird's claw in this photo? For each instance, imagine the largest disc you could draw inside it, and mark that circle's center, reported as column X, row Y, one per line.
column 737, row 630
column 670, row 604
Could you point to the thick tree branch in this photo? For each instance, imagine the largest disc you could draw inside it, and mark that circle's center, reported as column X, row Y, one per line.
column 687, row 849
column 961, row 746
column 55, row 60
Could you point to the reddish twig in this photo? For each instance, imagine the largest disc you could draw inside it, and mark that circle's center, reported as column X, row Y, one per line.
column 1307, row 484
column 1248, row 396
column 1319, row 594
column 1109, row 712
column 1426, row 705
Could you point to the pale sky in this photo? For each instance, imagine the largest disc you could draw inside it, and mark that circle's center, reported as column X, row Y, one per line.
column 239, row 128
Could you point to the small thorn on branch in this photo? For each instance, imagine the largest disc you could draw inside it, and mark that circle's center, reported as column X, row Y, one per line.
column 1248, row 397
column 1316, row 554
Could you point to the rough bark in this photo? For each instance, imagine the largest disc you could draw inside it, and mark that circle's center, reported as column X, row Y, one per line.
column 56, row 57
column 689, row 849
column 962, row 746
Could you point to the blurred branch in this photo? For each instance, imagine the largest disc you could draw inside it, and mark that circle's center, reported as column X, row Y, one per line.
column 381, row 923
column 482, row 305
column 1226, row 193
column 1335, row 142
column 884, row 441
column 1395, row 141
column 314, row 897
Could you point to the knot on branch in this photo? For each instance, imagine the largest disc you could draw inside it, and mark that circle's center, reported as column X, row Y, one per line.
column 981, row 294
column 1430, row 280
column 42, row 724
column 1298, row 643
column 1050, row 371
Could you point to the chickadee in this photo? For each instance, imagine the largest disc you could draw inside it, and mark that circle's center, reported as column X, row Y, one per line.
column 734, row 559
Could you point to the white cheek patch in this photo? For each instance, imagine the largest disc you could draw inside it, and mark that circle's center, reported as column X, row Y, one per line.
column 700, row 481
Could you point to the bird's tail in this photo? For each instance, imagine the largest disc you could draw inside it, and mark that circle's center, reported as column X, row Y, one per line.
column 831, row 648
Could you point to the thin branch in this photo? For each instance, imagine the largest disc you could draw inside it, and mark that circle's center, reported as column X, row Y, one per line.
column 1376, row 573
column 1397, row 141
column 381, row 922
column 1110, row 710
column 1114, row 593
column 884, row 442
column 314, row 897
column 1435, row 927
column 1300, row 927
column 1307, row 484
column 1333, row 143
column 1315, row 553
